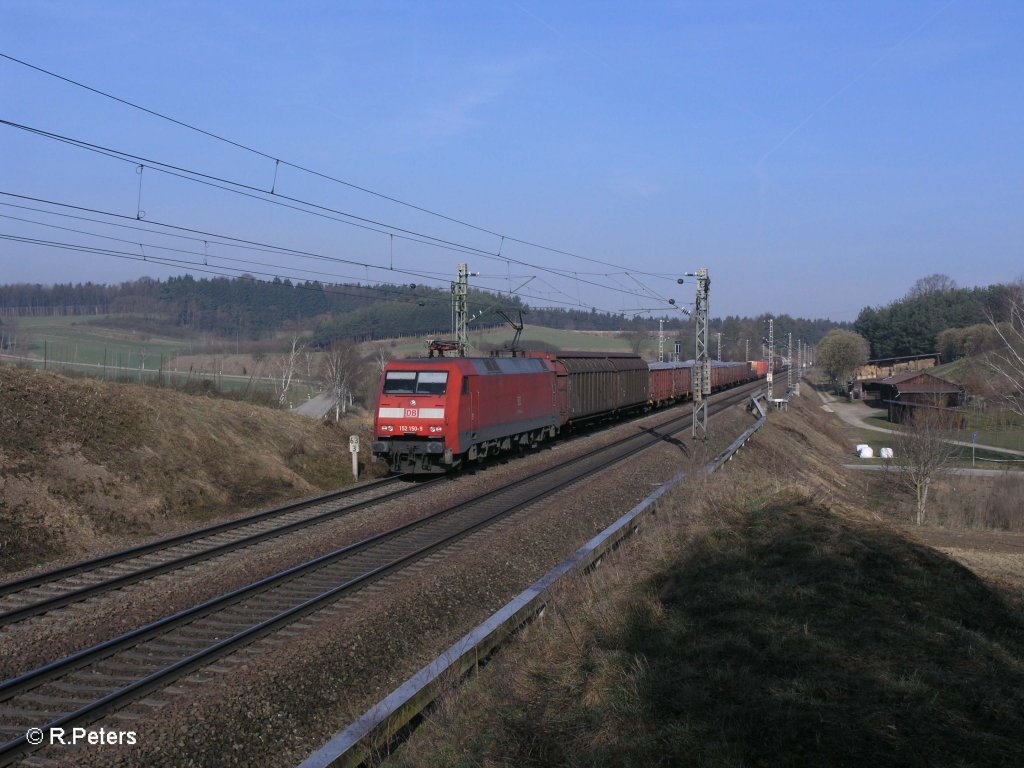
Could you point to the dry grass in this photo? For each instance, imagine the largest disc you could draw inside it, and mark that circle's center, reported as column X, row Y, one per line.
column 87, row 465
column 770, row 619
column 972, row 502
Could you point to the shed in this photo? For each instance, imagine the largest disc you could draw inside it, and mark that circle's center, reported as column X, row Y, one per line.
column 914, row 389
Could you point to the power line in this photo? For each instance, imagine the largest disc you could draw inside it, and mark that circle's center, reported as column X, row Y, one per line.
column 210, row 238
column 222, row 271
column 278, row 161
column 197, row 177
column 195, row 266
column 206, row 255
column 239, row 145
column 248, row 191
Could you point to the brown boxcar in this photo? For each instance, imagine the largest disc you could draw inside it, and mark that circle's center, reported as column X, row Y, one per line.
column 725, row 375
column 669, row 382
column 594, row 385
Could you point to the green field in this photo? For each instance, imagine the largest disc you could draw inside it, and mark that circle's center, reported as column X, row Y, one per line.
column 72, row 340
column 999, row 438
column 82, row 345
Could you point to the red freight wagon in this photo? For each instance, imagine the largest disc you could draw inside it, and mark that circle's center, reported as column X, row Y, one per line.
column 760, row 368
column 435, row 413
column 724, row 375
column 670, row 382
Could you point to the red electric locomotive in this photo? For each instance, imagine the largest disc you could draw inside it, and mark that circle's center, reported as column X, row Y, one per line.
column 433, row 414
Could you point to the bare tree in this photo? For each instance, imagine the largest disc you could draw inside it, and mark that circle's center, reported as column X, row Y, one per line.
column 286, row 370
column 342, row 367
column 381, row 356
column 936, row 283
column 9, row 334
column 636, row 336
column 1007, row 363
column 922, row 450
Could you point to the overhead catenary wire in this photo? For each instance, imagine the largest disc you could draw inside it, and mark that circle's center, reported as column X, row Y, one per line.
column 200, row 235
column 296, row 204
column 328, row 177
column 198, row 266
column 206, row 255
column 221, row 239
column 150, row 259
column 282, row 250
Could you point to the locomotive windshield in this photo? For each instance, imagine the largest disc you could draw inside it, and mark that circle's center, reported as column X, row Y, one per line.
column 415, row 382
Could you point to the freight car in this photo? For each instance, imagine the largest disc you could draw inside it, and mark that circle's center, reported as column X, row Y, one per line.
column 436, row 414
column 672, row 382
column 595, row 386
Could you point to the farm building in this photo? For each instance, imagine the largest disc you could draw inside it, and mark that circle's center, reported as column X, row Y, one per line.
column 890, row 366
column 904, row 392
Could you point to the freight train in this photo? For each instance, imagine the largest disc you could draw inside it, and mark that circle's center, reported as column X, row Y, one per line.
column 438, row 414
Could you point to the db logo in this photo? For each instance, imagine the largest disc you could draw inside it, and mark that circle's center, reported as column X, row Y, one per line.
column 412, row 413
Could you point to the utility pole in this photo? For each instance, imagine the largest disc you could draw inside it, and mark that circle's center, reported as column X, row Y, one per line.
column 799, row 364
column 701, row 363
column 460, row 309
column 719, row 357
column 789, row 368
column 661, row 340
column 746, row 355
column 771, row 358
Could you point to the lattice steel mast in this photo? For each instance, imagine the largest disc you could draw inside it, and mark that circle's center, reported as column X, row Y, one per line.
column 460, row 309
column 701, row 363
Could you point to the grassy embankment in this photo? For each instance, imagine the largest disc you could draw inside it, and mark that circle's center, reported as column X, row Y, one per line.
column 780, row 615
column 87, row 465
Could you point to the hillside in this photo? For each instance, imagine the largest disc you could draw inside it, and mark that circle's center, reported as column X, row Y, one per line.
column 87, row 465
column 783, row 613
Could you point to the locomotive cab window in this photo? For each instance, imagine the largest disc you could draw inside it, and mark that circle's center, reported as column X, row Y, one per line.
column 415, row 383
column 400, row 383
column 432, row 382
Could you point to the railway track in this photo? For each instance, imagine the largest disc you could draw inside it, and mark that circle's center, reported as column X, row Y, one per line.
column 86, row 686
column 40, row 593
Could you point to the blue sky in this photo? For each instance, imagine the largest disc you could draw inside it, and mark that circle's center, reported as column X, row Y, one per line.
column 817, row 157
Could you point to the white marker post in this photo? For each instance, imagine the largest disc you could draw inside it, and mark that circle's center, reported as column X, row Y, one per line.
column 353, row 447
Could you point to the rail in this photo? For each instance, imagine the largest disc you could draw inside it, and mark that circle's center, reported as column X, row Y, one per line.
column 260, row 616
column 379, row 724
column 146, row 571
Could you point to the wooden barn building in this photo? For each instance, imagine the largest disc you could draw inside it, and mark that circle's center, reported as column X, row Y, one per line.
column 905, row 392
